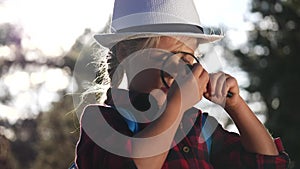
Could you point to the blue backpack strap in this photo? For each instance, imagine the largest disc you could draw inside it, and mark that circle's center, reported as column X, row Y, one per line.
column 205, row 133
column 134, row 128
column 130, row 120
column 73, row 166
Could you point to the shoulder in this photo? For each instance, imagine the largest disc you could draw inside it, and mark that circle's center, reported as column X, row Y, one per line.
column 97, row 111
column 101, row 117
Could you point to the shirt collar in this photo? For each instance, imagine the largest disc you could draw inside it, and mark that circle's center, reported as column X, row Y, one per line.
column 132, row 101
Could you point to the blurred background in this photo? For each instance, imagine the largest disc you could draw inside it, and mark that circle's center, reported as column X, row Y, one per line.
column 41, row 41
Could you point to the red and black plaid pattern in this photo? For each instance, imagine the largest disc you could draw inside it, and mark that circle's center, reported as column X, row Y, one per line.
column 190, row 153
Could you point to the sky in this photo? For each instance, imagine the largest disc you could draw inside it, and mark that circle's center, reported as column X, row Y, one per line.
column 54, row 25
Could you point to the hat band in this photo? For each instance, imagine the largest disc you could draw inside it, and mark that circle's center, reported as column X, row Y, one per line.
column 182, row 28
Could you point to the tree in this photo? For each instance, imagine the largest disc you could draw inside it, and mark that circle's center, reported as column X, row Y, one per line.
column 48, row 138
column 26, row 143
column 58, row 134
column 271, row 58
column 6, row 159
column 23, row 146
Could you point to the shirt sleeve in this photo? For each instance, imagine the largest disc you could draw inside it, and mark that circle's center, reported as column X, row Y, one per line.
column 227, row 152
column 89, row 155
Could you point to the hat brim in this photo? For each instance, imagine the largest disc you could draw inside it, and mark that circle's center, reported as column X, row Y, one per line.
column 110, row 39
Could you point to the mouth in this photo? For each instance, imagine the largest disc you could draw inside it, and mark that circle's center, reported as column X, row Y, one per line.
column 164, row 89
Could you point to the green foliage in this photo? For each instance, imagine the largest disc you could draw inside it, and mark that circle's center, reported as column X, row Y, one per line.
column 58, row 134
column 9, row 34
column 45, row 140
column 7, row 160
column 272, row 59
column 23, row 145
column 48, row 139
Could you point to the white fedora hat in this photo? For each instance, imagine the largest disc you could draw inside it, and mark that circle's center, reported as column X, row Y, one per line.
column 134, row 19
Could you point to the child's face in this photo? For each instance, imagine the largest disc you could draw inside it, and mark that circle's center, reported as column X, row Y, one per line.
column 149, row 79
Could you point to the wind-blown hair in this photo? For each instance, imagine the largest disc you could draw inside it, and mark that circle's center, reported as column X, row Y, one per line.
column 106, row 63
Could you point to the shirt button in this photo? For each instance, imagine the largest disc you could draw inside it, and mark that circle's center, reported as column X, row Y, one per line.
column 186, row 149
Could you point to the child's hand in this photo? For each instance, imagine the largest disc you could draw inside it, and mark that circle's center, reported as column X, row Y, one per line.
column 190, row 87
column 220, row 84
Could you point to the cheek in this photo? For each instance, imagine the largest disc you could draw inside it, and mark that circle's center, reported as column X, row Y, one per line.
column 149, row 77
column 152, row 74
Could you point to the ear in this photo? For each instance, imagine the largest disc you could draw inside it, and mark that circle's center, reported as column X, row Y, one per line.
column 121, row 52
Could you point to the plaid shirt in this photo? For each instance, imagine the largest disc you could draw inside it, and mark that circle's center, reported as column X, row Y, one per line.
column 226, row 148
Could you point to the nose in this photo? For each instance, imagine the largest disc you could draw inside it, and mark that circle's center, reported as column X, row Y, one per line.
column 169, row 80
column 166, row 79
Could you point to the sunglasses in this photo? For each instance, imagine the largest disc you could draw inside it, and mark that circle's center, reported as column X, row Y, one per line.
column 175, row 62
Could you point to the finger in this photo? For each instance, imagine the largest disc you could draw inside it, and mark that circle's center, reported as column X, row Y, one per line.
column 225, row 88
column 200, row 73
column 207, row 95
column 231, row 85
column 221, row 85
column 202, row 77
column 203, row 81
column 197, row 70
column 213, row 79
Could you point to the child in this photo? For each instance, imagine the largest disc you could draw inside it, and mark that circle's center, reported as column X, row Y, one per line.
column 153, row 124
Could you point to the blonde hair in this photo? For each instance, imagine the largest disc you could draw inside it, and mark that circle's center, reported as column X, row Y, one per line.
column 106, row 62
column 131, row 47
column 107, row 71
